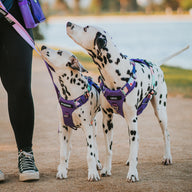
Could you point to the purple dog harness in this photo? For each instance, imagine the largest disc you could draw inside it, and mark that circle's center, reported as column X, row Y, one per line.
column 69, row 106
column 117, row 97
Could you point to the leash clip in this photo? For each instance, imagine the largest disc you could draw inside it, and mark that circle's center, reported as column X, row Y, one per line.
column 151, row 93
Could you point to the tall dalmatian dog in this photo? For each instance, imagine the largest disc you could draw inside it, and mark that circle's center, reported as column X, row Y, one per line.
column 115, row 70
column 71, row 84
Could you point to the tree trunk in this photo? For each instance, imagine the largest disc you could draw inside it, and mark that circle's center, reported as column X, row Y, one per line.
column 123, row 5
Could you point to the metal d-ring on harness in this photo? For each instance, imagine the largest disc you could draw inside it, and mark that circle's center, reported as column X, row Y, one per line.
column 117, row 97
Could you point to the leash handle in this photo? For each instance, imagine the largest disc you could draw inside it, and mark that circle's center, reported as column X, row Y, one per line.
column 18, row 27
column 25, row 35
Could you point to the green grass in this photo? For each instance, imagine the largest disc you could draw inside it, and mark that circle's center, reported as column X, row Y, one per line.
column 179, row 81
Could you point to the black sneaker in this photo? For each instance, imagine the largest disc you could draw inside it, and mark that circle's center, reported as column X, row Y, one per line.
column 2, row 177
column 26, row 164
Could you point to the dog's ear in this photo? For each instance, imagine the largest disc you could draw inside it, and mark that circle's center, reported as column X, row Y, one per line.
column 75, row 64
column 101, row 42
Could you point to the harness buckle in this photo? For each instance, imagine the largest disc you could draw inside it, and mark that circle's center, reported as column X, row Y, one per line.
column 151, row 93
column 87, row 95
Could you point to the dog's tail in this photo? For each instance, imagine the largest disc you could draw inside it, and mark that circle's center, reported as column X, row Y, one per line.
column 173, row 55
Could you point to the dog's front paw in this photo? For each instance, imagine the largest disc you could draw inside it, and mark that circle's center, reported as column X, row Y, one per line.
column 132, row 176
column 105, row 172
column 167, row 161
column 61, row 172
column 98, row 164
column 93, row 175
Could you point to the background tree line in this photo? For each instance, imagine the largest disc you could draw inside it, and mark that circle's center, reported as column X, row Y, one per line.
column 122, row 6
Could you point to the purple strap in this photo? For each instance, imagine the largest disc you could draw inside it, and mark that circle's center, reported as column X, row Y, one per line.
column 143, row 105
column 152, row 92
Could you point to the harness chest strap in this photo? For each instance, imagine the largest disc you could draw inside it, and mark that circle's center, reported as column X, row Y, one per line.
column 117, row 97
column 69, row 106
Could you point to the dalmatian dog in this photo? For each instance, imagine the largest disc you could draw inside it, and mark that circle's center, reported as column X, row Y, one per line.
column 71, row 84
column 116, row 69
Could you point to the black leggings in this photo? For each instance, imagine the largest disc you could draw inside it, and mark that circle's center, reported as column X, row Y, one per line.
column 15, row 74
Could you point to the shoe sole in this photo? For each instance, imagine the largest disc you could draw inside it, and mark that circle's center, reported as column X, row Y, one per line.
column 2, row 177
column 28, row 176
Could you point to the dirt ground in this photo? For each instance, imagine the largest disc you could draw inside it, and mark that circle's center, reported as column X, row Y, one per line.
column 154, row 177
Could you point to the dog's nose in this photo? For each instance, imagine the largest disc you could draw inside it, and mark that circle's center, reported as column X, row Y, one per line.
column 43, row 47
column 69, row 24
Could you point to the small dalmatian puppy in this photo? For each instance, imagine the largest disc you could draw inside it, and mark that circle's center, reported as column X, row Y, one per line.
column 115, row 70
column 71, row 84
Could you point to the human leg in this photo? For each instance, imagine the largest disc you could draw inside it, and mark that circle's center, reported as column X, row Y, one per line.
column 15, row 73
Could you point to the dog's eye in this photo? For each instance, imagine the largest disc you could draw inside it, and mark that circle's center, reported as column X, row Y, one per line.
column 68, row 64
column 85, row 28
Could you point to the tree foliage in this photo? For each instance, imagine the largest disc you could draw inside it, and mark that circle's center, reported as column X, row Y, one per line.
column 99, row 6
column 186, row 4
